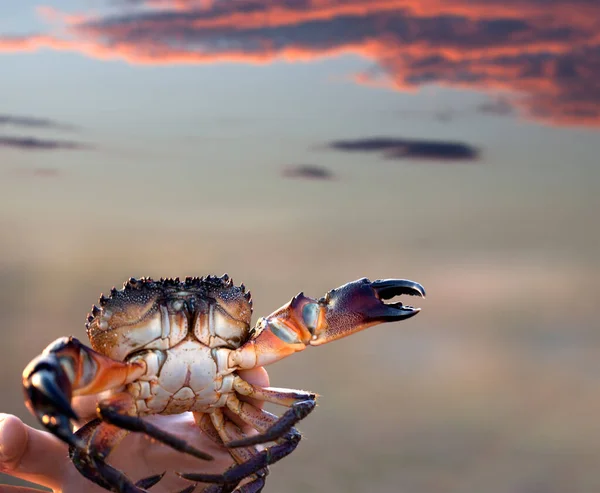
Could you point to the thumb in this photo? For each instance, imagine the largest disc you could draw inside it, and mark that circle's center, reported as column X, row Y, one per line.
column 31, row 454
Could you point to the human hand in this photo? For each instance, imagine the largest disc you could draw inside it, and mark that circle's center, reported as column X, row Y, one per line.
column 41, row 458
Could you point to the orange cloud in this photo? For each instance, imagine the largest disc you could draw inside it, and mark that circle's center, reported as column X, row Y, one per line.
column 545, row 53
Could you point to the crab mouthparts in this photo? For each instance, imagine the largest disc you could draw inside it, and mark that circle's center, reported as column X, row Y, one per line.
column 386, row 289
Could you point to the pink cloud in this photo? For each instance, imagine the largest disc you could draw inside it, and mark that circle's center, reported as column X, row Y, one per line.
column 545, row 53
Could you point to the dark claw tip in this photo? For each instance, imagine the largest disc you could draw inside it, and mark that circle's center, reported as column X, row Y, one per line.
column 44, row 383
column 150, row 481
column 201, row 478
column 389, row 288
column 65, row 434
column 200, row 455
column 189, row 489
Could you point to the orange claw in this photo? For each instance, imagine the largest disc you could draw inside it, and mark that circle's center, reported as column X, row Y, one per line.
column 67, row 368
column 308, row 322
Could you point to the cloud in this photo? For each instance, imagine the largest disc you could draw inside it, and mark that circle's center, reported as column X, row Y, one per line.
column 32, row 122
column 308, row 171
column 35, row 144
column 393, row 148
column 544, row 53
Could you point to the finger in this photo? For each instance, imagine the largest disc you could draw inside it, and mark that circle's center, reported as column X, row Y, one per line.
column 85, row 407
column 31, row 454
column 155, row 457
column 256, row 376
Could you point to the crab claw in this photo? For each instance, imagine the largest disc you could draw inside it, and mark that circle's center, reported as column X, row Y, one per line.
column 48, row 394
column 360, row 304
column 341, row 312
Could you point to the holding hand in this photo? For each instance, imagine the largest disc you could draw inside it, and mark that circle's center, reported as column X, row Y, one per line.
column 39, row 457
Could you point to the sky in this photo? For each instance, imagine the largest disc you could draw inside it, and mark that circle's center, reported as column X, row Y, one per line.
column 476, row 122
column 300, row 144
column 191, row 97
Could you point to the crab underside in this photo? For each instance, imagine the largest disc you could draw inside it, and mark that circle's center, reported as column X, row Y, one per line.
column 171, row 346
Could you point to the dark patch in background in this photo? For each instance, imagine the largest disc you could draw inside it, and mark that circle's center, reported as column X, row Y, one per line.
column 308, row 172
column 394, row 148
column 35, row 144
column 33, row 122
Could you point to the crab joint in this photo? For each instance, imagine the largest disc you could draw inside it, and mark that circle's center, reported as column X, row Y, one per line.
column 286, row 331
column 308, row 322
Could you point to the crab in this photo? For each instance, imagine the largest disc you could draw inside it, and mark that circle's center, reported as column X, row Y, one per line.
column 171, row 346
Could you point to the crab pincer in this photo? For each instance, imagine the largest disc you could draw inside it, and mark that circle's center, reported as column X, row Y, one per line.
column 48, row 393
column 361, row 304
column 343, row 311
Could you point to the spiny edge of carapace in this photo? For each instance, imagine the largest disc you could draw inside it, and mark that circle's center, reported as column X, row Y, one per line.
column 175, row 283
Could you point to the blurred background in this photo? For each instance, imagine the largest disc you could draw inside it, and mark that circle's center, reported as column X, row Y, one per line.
column 301, row 144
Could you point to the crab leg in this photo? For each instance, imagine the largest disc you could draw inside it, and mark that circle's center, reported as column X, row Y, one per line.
column 228, row 432
column 221, row 430
column 282, row 397
column 120, row 410
column 101, row 438
column 67, row 368
column 204, row 421
column 271, row 427
column 117, row 419
column 301, row 402
column 308, row 322
column 257, row 418
column 256, row 463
